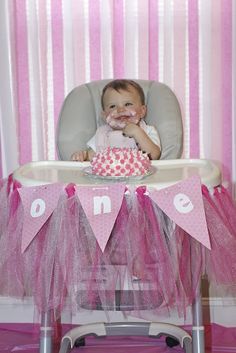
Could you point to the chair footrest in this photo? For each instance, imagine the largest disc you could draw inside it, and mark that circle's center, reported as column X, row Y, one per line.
column 153, row 329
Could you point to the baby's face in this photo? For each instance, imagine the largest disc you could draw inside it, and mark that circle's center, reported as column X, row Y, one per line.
column 122, row 107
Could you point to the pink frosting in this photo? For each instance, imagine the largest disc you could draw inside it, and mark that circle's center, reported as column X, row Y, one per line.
column 118, row 121
column 120, row 162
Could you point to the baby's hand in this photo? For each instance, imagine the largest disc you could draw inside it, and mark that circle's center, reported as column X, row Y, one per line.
column 131, row 130
column 80, row 156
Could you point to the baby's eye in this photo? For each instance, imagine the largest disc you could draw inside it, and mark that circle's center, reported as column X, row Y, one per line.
column 128, row 104
column 112, row 106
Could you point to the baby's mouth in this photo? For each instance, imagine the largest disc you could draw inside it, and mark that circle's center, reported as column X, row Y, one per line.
column 123, row 117
column 119, row 120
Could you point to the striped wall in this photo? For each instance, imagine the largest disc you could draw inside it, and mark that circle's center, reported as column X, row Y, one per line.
column 50, row 46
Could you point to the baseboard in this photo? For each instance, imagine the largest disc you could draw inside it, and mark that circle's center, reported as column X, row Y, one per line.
column 219, row 311
column 215, row 310
column 14, row 310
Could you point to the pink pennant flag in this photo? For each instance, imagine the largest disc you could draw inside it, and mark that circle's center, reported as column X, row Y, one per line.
column 101, row 205
column 183, row 204
column 38, row 202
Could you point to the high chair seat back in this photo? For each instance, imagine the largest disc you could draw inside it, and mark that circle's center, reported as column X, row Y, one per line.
column 81, row 115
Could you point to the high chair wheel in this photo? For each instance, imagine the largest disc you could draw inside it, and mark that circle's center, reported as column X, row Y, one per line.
column 171, row 342
column 80, row 342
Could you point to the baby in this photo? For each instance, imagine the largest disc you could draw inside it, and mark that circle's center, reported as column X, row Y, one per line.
column 124, row 109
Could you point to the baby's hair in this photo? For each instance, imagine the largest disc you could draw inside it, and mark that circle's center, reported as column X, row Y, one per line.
column 123, row 85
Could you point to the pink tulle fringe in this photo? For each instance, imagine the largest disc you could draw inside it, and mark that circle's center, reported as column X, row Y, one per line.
column 157, row 262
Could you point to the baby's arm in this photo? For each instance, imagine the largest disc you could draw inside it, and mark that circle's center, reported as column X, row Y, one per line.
column 143, row 140
column 81, row 156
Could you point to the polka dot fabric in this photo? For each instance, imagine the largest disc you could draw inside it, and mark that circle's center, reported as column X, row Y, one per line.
column 120, row 162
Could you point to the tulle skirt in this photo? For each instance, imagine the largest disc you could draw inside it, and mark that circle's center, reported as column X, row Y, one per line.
column 149, row 262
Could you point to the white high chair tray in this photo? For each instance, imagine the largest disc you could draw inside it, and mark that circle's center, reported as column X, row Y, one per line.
column 165, row 173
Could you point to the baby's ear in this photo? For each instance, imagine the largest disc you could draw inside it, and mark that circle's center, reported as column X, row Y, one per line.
column 143, row 111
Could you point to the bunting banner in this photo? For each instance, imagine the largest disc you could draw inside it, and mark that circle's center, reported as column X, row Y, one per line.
column 101, row 205
column 38, row 203
column 182, row 202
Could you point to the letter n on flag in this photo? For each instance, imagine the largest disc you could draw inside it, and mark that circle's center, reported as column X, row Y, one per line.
column 101, row 205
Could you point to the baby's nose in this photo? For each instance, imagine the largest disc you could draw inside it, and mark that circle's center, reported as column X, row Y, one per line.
column 120, row 109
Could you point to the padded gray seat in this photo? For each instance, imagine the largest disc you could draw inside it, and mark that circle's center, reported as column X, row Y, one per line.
column 81, row 110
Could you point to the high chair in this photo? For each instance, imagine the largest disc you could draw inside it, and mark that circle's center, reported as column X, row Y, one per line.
column 79, row 118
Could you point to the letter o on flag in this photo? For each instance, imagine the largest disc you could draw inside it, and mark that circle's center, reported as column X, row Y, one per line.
column 37, row 209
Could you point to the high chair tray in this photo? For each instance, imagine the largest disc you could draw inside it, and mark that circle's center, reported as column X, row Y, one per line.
column 166, row 173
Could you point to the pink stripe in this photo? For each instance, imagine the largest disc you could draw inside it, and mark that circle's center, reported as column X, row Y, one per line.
column 179, row 50
column 58, row 59
column 23, row 96
column 193, row 78
column 43, row 71
column 95, row 40
column 143, row 27
column 153, row 40
column 118, row 39
column 216, row 94
column 79, row 40
column 226, row 71
column 1, row 164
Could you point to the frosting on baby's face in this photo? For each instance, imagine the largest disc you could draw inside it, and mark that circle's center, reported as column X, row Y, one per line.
column 118, row 121
column 122, row 107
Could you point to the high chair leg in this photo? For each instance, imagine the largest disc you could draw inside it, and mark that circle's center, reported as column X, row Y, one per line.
column 46, row 333
column 198, row 328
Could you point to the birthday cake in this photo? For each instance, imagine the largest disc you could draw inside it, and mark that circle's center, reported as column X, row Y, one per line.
column 120, row 162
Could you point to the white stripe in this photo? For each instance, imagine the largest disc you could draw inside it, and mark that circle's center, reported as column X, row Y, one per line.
column 204, row 77
column 187, row 112
column 106, row 39
column 86, row 41
column 9, row 138
column 234, row 98
column 50, row 97
column 131, row 39
column 78, row 40
column 143, row 43
column 69, row 62
column 161, row 40
column 198, row 328
column 168, row 43
column 46, row 328
column 34, row 84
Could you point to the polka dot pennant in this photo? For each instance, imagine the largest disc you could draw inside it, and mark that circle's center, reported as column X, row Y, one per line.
column 38, row 202
column 101, row 205
column 183, row 203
